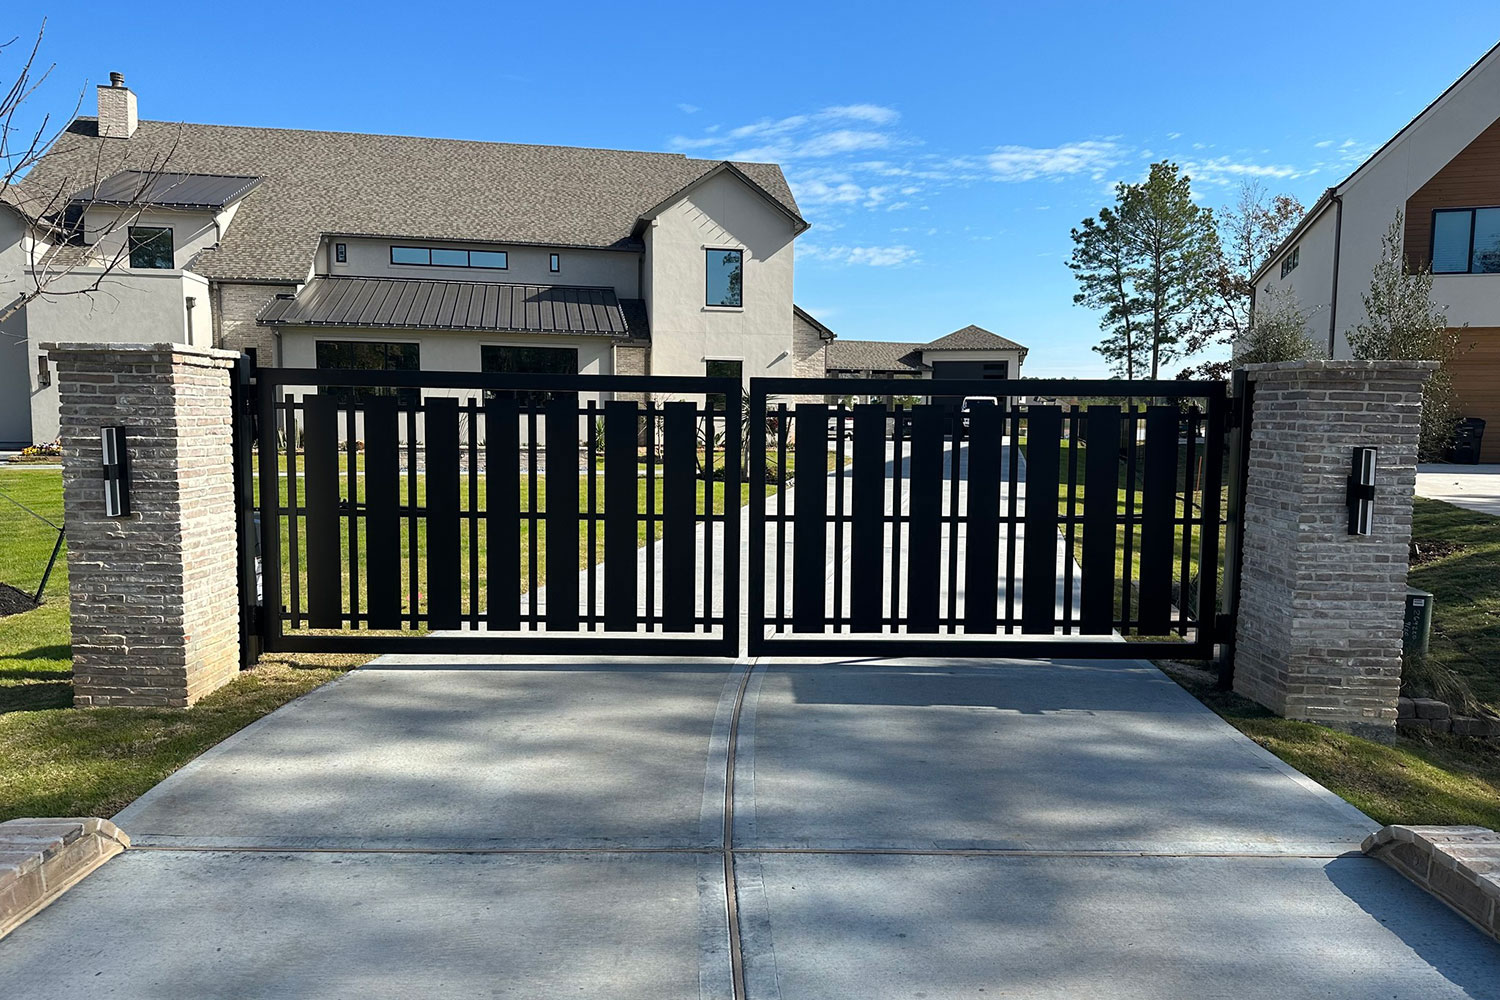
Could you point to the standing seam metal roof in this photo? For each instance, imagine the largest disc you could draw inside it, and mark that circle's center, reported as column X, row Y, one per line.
column 164, row 190
column 456, row 305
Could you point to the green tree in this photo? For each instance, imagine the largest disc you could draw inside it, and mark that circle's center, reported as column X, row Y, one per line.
column 1403, row 323
column 1103, row 264
column 1276, row 332
column 1145, row 263
column 1249, row 231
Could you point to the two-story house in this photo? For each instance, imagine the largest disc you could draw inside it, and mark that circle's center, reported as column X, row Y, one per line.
column 347, row 250
column 339, row 250
column 1442, row 172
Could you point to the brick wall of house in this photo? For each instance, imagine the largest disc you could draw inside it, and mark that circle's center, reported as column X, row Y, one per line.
column 236, row 307
column 1320, row 613
column 154, row 595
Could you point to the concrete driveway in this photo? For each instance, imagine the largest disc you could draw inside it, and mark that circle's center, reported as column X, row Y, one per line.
column 1476, row 487
column 936, row 829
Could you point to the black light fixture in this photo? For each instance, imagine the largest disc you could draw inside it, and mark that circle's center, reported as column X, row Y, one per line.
column 1360, row 496
column 115, row 460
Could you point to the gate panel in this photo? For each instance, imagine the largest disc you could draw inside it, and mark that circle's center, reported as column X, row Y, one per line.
column 1117, row 534
column 461, row 512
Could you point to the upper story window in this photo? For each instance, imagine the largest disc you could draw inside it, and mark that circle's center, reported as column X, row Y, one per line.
column 1290, row 261
column 1466, row 241
column 554, row 263
column 150, row 247
column 442, row 257
column 725, row 270
column 341, row 253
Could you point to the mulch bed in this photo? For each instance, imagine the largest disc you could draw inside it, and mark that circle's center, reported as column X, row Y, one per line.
column 1431, row 551
column 13, row 601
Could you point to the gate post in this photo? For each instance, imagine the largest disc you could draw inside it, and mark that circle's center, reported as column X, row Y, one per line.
column 154, row 595
column 1318, row 635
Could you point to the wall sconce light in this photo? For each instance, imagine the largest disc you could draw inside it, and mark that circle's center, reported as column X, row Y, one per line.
column 1360, row 496
column 116, row 462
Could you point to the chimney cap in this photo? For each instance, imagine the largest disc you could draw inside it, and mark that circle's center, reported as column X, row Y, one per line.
column 117, row 79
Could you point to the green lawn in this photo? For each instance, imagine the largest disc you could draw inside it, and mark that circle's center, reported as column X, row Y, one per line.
column 1457, row 558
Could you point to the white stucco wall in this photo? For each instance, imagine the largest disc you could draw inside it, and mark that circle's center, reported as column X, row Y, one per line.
column 15, row 382
column 1311, row 283
column 137, row 307
column 619, row 270
column 107, row 230
column 721, row 213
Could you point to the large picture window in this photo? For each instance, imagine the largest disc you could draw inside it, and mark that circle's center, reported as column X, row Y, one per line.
column 529, row 361
column 150, row 247
column 725, row 269
column 367, row 355
column 1466, row 241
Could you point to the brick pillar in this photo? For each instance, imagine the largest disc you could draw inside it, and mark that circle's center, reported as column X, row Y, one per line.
column 154, row 595
column 1319, row 630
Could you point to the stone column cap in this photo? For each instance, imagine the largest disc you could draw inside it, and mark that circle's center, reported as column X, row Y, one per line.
column 1316, row 366
column 189, row 353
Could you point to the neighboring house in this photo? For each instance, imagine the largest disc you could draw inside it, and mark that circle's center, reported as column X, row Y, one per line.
column 970, row 353
column 1443, row 172
column 339, row 250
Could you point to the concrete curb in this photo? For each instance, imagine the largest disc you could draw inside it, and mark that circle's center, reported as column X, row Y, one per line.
column 40, row 859
column 1458, row 864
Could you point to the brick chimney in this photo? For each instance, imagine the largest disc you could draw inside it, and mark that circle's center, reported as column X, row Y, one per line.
column 117, row 118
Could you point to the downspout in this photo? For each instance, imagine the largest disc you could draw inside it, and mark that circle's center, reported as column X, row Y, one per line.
column 1338, row 243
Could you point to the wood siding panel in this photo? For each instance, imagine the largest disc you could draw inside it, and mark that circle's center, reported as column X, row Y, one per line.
column 1476, row 384
column 1470, row 180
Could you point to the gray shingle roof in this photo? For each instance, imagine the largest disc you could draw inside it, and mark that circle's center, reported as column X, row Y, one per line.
column 871, row 355
column 379, row 185
column 167, row 190
column 398, row 303
column 973, row 338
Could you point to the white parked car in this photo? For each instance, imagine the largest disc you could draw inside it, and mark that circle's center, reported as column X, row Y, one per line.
column 970, row 402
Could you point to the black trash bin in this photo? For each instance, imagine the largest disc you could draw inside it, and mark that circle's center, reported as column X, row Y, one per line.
column 1466, row 441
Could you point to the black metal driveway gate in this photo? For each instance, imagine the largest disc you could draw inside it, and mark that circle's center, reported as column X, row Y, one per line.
column 451, row 512
column 1052, row 523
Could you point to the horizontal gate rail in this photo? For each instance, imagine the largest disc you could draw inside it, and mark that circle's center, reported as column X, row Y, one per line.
column 414, row 512
column 938, row 506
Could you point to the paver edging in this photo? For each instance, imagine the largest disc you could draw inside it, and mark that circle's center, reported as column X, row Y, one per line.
column 40, row 859
column 1460, row 865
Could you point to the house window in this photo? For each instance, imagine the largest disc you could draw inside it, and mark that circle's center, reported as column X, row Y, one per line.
column 341, row 253
column 365, row 355
column 529, row 361
column 554, row 263
column 725, row 269
column 1290, row 261
column 443, row 257
column 722, row 369
column 150, row 247
column 1466, row 241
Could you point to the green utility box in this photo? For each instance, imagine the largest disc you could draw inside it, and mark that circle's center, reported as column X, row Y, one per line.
column 1416, row 630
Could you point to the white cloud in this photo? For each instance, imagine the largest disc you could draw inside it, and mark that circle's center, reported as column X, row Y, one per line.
column 689, row 109
column 872, row 113
column 1025, row 163
column 1223, row 170
column 891, row 256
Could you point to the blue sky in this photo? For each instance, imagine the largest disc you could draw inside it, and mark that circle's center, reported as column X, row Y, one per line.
column 941, row 151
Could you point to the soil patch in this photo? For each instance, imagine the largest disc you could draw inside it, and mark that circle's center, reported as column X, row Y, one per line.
column 13, row 601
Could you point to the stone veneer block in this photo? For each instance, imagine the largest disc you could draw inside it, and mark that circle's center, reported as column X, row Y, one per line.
column 40, row 859
column 1458, row 864
column 1318, row 635
column 155, row 607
